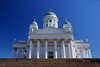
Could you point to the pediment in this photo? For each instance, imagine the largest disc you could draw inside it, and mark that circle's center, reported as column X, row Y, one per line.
column 50, row 31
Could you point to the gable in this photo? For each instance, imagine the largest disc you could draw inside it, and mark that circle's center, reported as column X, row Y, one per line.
column 50, row 31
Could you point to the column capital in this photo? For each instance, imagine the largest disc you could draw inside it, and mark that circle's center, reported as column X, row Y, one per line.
column 38, row 39
column 30, row 39
column 55, row 39
column 70, row 39
column 87, row 48
column 46, row 39
column 62, row 38
column 15, row 49
column 73, row 45
column 27, row 45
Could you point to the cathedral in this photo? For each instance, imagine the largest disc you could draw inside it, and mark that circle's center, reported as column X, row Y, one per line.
column 50, row 42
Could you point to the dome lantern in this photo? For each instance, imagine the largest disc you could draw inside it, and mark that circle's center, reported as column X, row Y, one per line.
column 34, row 22
column 66, row 22
column 67, row 26
column 33, row 26
column 50, row 20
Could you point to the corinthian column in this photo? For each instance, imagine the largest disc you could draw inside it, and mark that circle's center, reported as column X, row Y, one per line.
column 12, row 53
column 63, row 48
column 55, row 48
column 46, row 53
column 30, row 50
column 38, row 48
column 27, row 52
column 71, row 49
column 89, row 53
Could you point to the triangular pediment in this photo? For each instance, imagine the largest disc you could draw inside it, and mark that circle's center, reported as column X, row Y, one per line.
column 50, row 30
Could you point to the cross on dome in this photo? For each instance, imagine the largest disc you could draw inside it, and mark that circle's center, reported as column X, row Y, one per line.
column 50, row 10
column 14, row 40
column 34, row 20
column 66, row 19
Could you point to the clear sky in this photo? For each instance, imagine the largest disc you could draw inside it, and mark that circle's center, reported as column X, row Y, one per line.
column 17, row 15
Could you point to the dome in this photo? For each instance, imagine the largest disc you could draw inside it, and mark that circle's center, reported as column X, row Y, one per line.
column 34, row 22
column 50, row 13
column 66, row 22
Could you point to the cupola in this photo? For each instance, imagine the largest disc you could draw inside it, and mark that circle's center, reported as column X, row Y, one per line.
column 67, row 26
column 50, row 20
column 33, row 26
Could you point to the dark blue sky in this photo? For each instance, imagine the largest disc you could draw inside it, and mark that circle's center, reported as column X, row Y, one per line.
column 17, row 15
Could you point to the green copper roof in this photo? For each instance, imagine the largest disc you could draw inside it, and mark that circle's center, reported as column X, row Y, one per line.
column 50, row 13
column 67, row 22
column 34, row 22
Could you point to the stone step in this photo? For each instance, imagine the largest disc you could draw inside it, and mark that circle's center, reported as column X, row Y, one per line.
column 87, row 62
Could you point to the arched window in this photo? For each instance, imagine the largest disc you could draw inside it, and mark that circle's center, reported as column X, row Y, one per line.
column 50, row 20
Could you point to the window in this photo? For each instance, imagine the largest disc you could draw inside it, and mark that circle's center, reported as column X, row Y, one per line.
column 75, row 50
column 46, row 21
column 46, row 25
column 25, row 50
column 50, row 53
column 50, row 20
column 53, row 25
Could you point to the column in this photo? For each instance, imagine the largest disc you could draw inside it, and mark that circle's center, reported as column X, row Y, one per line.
column 38, row 48
column 12, row 53
column 30, row 49
column 48, row 23
column 71, row 50
column 15, row 54
column 74, row 54
column 61, row 51
column 86, row 53
column 55, row 49
column 45, row 24
column 27, row 53
column 46, row 52
column 63, row 48
column 84, row 56
column 89, row 53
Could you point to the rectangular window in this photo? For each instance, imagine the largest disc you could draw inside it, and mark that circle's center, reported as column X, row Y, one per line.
column 46, row 25
column 50, row 53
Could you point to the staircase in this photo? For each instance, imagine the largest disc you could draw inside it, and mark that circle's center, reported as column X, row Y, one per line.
column 93, row 62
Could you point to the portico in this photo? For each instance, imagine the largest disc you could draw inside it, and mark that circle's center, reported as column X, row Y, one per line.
column 49, row 45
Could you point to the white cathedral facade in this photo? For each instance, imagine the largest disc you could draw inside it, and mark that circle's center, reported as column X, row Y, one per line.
column 51, row 42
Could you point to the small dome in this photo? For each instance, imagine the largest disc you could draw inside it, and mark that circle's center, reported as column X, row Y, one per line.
column 50, row 13
column 34, row 23
column 67, row 22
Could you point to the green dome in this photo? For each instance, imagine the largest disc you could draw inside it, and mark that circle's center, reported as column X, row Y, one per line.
column 50, row 13
column 34, row 22
column 66, row 22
